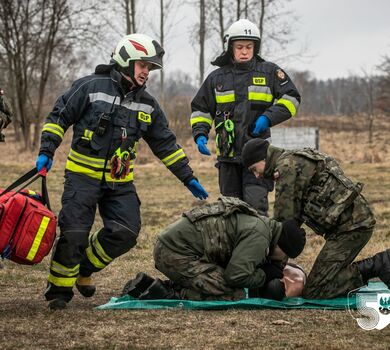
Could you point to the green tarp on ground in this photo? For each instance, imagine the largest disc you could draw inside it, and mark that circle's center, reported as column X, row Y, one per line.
column 126, row 302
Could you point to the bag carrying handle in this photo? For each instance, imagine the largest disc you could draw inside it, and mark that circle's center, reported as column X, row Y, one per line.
column 31, row 175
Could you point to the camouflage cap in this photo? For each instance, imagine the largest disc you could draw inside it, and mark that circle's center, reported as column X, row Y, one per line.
column 254, row 151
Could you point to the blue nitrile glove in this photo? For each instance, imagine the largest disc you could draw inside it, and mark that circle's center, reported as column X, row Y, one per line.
column 262, row 123
column 201, row 141
column 43, row 161
column 197, row 189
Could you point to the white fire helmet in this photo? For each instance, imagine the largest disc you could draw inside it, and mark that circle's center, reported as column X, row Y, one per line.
column 242, row 29
column 138, row 47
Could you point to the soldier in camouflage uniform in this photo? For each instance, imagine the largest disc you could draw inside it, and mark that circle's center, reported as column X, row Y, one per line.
column 216, row 250
column 5, row 114
column 312, row 189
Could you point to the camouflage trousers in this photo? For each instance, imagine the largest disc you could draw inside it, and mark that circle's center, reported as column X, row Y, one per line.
column 333, row 273
column 196, row 278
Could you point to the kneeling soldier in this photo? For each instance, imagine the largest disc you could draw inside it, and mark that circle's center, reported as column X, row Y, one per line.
column 5, row 114
column 216, row 250
column 312, row 189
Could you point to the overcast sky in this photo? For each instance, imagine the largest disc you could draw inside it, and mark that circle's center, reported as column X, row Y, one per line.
column 342, row 37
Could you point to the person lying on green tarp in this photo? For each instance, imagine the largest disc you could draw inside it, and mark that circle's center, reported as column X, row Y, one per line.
column 216, row 250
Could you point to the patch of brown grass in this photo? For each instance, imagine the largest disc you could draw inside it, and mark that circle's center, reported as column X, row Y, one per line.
column 26, row 323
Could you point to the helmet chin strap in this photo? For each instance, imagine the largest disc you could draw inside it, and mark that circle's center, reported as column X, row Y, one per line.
column 129, row 82
column 128, row 79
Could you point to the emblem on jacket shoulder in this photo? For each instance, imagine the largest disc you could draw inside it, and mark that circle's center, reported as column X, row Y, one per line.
column 280, row 74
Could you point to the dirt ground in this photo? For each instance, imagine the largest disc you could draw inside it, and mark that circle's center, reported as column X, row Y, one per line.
column 26, row 322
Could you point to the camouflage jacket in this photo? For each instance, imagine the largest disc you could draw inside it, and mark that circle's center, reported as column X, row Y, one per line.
column 311, row 187
column 236, row 240
column 5, row 112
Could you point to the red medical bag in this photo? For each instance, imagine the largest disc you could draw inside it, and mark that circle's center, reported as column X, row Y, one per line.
column 27, row 224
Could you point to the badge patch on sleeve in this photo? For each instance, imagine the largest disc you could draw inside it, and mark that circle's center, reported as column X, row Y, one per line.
column 144, row 117
column 281, row 75
column 259, row 81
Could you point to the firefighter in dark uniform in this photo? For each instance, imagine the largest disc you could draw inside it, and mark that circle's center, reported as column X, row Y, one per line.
column 110, row 111
column 311, row 188
column 243, row 99
column 5, row 114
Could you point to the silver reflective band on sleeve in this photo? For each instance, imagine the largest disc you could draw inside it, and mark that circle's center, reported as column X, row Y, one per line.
column 291, row 103
column 101, row 96
column 201, row 117
column 54, row 129
column 174, row 157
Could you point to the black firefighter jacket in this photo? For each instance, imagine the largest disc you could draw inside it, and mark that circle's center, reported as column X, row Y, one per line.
column 103, row 117
column 242, row 92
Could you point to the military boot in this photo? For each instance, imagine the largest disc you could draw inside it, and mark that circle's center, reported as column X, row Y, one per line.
column 376, row 266
column 85, row 286
column 135, row 287
column 160, row 290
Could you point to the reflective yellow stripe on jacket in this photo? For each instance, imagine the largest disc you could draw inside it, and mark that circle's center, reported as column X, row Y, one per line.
column 54, row 129
column 174, row 157
column 260, row 93
column 93, row 167
column 225, row 96
column 201, row 117
column 291, row 103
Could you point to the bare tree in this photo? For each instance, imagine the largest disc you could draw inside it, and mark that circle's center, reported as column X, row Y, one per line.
column 33, row 34
column 261, row 22
column 369, row 89
column 238, row 9
column 274, row 22
column 221, row 21
column 166, row 10
column 383, row 99
column 130, row 15
column 202, row 38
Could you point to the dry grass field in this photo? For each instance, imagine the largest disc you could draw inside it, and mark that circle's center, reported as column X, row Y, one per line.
column 26, row 322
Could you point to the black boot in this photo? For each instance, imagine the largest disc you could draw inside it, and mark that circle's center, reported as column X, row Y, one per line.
column 57, row 304
column 376, row 266
column 85, row 286
column 138, row 285
column 160, row 290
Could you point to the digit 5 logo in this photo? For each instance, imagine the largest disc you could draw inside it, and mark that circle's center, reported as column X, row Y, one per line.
column 373, row 309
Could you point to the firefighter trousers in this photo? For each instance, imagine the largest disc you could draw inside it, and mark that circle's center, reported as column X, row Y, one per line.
column 76, row 251
column 235, row 180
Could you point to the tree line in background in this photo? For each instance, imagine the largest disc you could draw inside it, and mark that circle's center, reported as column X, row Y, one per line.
column 46, row 44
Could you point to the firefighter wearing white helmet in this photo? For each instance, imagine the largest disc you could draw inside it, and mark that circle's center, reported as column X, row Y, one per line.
column 242, row 30
column 110, row 112
column 137, row 47
column 243, row 99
